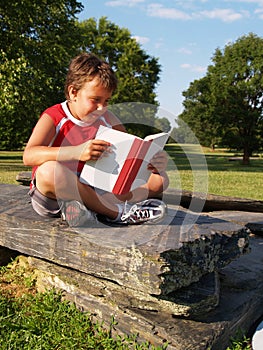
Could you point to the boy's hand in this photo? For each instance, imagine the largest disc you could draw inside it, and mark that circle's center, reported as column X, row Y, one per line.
column 158, row 162
column 93, row 150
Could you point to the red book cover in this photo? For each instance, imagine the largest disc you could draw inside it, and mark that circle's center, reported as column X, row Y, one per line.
column 131, row 166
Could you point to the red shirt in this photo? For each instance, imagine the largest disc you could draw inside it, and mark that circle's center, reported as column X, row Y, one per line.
column 71, row 131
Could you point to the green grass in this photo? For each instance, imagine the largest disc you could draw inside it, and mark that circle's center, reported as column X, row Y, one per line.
column 34, row 321
column 214, row 172
column 45, row 321
column 10, row 165
column 190, row 168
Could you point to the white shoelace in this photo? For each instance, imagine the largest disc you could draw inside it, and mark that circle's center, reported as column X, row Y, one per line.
column 134, row 210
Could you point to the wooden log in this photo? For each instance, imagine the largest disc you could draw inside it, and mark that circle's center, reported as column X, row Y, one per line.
column 147, row 275
column 253, row 221
column 190, row 301
column 201, row 202
column 24, row 178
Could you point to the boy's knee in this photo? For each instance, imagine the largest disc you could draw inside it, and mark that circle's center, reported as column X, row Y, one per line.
column 46, row 171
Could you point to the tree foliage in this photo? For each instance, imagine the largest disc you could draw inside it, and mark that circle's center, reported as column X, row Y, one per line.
column 38, row 39
column 14, row 122
column 199, row 114
column 228, row 100
column 137, row 72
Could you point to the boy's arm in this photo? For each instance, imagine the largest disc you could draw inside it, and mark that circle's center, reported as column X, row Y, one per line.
column 37, row 150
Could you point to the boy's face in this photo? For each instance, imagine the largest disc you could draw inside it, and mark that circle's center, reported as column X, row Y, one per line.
column 90, row 102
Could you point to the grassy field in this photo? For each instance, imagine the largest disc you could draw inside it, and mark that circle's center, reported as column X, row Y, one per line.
column 219, row 172
column 190, row 168
column 10, row 165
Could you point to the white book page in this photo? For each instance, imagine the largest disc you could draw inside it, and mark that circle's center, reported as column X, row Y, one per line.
column 157, row 144
column 160, row 138
column 104, row 172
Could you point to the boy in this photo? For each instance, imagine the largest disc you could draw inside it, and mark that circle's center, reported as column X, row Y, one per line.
column 63, row 140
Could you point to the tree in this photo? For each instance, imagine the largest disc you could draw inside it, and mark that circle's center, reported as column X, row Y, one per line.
column 14, row 123
column 162, row 124
column 38, row 38
column 199, row 114
column 182, row 133
column 237, row 82
column 232, row 99
column 137, row 72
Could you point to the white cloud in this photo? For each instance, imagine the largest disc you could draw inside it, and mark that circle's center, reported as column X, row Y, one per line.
column 225, row 15
column 141, row 39
column 130, row 3
column 193, row 68
column 257, row 2
column 185, row 51
column 158, row 10
column 259, row 12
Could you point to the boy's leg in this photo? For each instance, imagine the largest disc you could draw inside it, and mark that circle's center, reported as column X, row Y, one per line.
column 156, row 184
column 43, row 205
column 56, row 181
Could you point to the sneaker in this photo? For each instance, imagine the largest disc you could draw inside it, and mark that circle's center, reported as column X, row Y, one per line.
column 150, row 210
column 76, row 214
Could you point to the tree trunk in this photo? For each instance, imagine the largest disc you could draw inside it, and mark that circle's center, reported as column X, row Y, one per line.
column 246, row 155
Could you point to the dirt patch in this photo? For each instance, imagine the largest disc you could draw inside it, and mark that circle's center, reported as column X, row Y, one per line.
column 17, row 279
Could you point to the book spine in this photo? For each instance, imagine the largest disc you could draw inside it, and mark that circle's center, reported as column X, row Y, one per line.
column 131, row 166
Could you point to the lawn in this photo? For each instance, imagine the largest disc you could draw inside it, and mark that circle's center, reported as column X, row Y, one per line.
column 10, row 165
column 190, row 168
column 32, row 321
column 199, row 169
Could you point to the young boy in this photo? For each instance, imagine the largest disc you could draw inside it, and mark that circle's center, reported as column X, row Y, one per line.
column 63, row 140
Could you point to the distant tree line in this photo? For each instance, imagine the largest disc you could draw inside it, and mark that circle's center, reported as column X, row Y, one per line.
column 225, row 106
column 38, row 40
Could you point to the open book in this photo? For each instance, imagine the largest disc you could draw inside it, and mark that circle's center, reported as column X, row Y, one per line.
column 125, row 168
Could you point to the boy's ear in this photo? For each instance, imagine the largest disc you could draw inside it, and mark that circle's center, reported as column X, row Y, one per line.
column 72, row 92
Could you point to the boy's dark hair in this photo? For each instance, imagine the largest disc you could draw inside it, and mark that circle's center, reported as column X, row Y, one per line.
column 86, row 67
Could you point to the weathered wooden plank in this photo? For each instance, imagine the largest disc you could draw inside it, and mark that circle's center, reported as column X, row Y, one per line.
column 209, row 202
column 186, row 302
column 147, row 275
column 253, row 221
column 24, row 178
column 153, row 259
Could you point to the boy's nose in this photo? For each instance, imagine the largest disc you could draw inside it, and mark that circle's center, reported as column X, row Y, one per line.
column 100, row 106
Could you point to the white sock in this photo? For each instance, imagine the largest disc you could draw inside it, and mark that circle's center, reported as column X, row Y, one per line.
column 120, row 209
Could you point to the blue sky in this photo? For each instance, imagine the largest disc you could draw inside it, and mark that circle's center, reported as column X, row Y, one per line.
column 182, row 34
